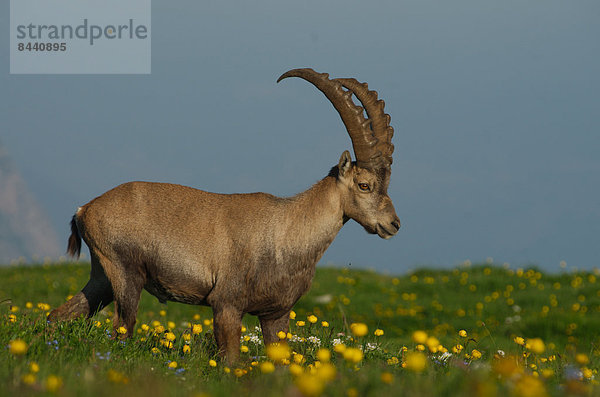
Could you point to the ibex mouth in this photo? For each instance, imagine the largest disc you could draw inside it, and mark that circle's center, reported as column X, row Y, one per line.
column 385, row 233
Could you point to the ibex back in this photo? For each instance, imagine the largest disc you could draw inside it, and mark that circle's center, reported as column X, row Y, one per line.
column 238, row 253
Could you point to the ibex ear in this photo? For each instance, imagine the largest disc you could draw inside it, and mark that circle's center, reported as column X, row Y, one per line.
column 345, row 163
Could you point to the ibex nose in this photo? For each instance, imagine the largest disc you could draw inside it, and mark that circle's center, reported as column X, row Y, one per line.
column 396, row 224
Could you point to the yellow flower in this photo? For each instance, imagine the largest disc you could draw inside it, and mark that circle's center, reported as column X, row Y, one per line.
column 420, row 348
column 462, row 333
column 53, row 383
column 212, row 363
column 519, row 341
column 145, row 327
column 476, row 354
column 28, row 305
column 587, row 373
column 172, row 364
column 432, row 343
column 416, row 361
column 28, row 379
column 238, row 372
column 300, row 323
column 186, row 348
column 326, row 372
column 457, row 349
column 155, row 350
column 244, row 349
column 226, row 370
column 162, row 313
column 292, row 315
column 378, row 332
column 324, row 324
column 547, row 373
column 17, row 347
column 295, row 369
column 34, row 367
column 298, row 358
column 387, row 377
column 281, row 335
column 170, row 336
column 122, row 330
column 171, row 324
column 359, row 329
column 323, row 355
column 582, row 359
column 244, row 329
column 310, row 385
column 353, row 355
column 529, row 386
column 536, row 345
column 419, row 337
column 159, row 329
column 267, row 367
column 339, row 348
column 312, row 319
column 12, row 318
column 186, row 337
column 278, row 352
column 196, row 329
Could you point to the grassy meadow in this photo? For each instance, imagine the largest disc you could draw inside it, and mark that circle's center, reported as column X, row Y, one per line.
column 480, row 330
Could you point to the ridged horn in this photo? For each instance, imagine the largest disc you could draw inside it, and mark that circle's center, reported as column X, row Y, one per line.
column 370, row 137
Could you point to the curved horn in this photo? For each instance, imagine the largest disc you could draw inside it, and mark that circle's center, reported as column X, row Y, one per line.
column 371, row 147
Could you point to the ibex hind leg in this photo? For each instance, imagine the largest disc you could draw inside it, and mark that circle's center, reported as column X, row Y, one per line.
column 272, row 326
column 228, row 329
column 91, row 299
column 127, row 288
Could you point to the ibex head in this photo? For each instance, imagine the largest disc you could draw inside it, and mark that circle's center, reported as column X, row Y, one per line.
column 364, row 183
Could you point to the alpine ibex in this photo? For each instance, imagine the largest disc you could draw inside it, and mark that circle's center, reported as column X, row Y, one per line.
column 238, row 253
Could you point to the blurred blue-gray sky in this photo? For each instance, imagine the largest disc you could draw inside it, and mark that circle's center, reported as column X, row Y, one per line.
column 496, row 107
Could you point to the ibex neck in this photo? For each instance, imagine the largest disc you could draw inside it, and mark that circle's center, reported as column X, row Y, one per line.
column 317, row 217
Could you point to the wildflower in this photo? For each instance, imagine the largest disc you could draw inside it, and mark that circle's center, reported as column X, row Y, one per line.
column 326, row 372
column 196, row 329
column 12, row 318
column 186, row 337
column 587, row 373
column 155, row 350
column 582, row 359
column 353, row 355
column 122, row 330
column 462, row 333
column 324, row 324
column 378, row 332
column 339, row 348
column 420, row 347
column 278, row 352
column 359, row 329
column 170, row 336
column 300, row 323
column 212, row 363
column 310, row 385
column 432, row 343
column 171, row 325
column 530, row 386
column 28, row 379
column 416, row 361
column 547, row 373
column 295, row 369
column 53, row 383
column 393, row 361
column 536, row 345
column 387, row 377
column 281, row 335
column 314, row 340
column 292, row 315
column 419, row 337
column 28, row 305
column 34, row 367
column 457, row 349
column 519, row 341
column 159, row 329
column 172, row 364
column 43, row 306
column 226, row 370
column 17, row 347
column 298, row 358
column 312, row 319
column 267, row 367
column 186, row 348
column 323, row 355
column 476, row 354
column 244, row 349
column 162, row 313
column 238, row 372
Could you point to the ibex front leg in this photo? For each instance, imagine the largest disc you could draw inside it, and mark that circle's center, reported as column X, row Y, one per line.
column 271, row 326
column 228, row 329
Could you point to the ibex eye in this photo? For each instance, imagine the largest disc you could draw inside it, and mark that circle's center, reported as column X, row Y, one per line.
column 363, row 186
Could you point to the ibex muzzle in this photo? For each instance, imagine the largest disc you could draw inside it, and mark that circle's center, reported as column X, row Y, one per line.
column 238, row 253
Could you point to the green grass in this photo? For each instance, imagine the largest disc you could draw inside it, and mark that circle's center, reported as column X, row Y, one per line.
column 493, row 304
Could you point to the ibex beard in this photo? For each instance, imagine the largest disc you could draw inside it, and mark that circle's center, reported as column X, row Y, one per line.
column 237, row 253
